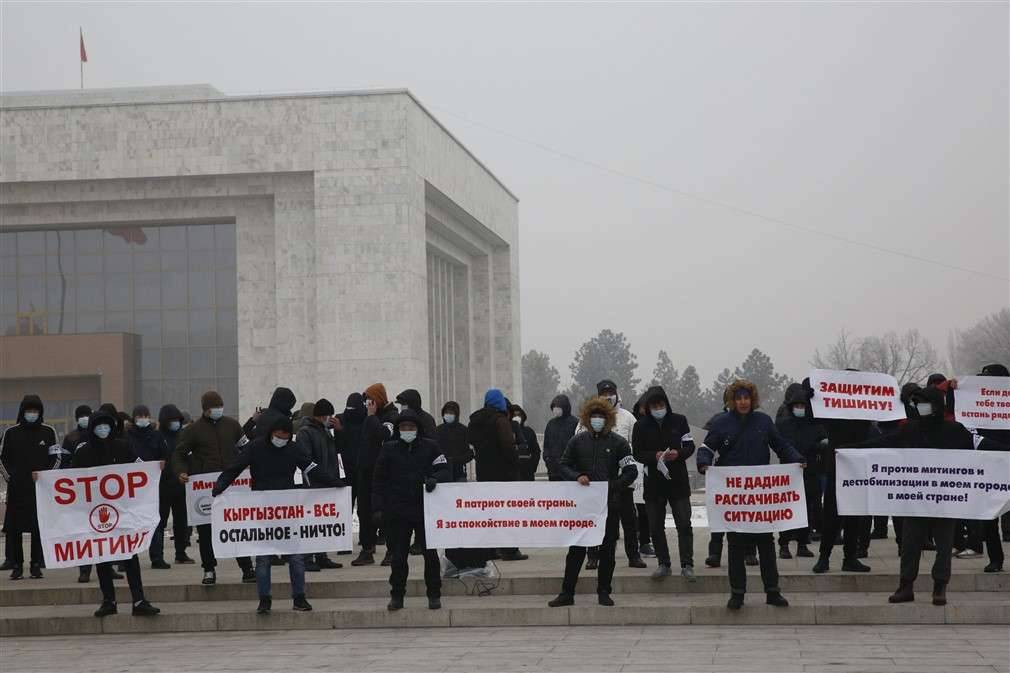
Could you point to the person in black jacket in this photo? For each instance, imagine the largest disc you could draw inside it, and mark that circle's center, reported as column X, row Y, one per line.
column 743, row 436
column 809, row 438
column 27, row 447
column 147, row 444
column 529, row 449
column 272, row 459
column 82, row 414
column 451, row 437
column 411, row 399
column 598, row 454
column 282, row 401
column 662, row 442
column 350, row 437
column 560, row 428
column 171, row 494
column 405, row 465
column 379, row 427
column 102, row 447
column 314, row 439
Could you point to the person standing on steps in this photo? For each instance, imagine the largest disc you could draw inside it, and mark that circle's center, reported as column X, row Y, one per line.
column 809, row 438
column 529, row 449
column 598, row 454
column 451, row 438
column 560, row 428
column 147, row 444
column 379, row 427
column 171, row 493
column 315, row 440
column 743, row 436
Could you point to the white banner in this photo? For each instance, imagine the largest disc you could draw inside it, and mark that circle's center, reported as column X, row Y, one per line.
column 755, row 498
column 867, row 396
column 199, row 498
column 983, row 402
column 97, row 514
column 515, row 514
column 292, row 521
column 942, row 483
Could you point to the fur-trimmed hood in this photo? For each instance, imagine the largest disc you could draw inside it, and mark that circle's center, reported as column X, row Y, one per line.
column 598, row 406
column 741, row 384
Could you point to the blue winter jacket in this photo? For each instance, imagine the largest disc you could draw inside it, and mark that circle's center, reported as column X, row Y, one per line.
column 745, row 440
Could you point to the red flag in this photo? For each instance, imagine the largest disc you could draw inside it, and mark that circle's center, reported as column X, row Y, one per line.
column 84, row 53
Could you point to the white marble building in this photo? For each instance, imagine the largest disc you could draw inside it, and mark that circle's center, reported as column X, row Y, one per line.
column 370, row 245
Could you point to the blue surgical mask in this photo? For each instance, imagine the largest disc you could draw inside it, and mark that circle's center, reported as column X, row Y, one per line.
column 82, row 422
column 278, row 442
column 174, row 426
column 449, row 418
column 31, row 416
column 102, row 431
column 597, row 423
column 408, row 435
column 217, row 413
column 800, row 412
column 142, row 422
column 658, row 414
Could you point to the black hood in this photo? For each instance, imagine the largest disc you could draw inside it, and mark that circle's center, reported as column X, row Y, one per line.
column 516, row 409
column 167, row 414
column 655, row 394
column 354, row 410
column 935, row 397
column 31, row 402
column 452, row 407
column 411, row 398
column 278, row 423
column 796, row 394
column 283, row 400
column 563, row 403
column 110, row 409
column 412, row 416
column 98, row 418
column 994, row 370
column 83, row 410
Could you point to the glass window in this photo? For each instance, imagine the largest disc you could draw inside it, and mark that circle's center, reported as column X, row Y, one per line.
column 224, row 236
column 116, row 240
column 174, row 260
column 177, row 393
column 150, row 394
column 31, row 243
column 57, row 264
column 202, row 260
column 8, row 324
column 120, row 262
column 90, row 264
column 90, row 322
column 152, row 234
column 173, row 289
column 202, row 362
column 225, row 285
column 175, row 329
column 148, row 325
column 8, row 294
column 90, row 293
column 119, row 321
column 202, row 328
column 227, row 361
column 68, row 326
column 175, row 363
column 173, row 238
column 201, row 237
column 8, row 245
column 229, row 392
column 150, row 363
column 201, row 289
column 32, row 295
column 87, row 241
column 31, row 265
column 146, row 262
column 147, row 290
column 227, row 328
column 119, row 291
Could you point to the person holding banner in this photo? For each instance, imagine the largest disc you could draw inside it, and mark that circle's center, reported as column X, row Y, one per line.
column 378, row 429
column 209, row 445
column 598, row 454
column 743, row 436
column 405, row 465
column 100, row 448
column 809, row 438
column 315, row 441
column 272, row 460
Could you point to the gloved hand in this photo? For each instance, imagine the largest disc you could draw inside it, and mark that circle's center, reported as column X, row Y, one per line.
column 430, row 483
column 377, row 519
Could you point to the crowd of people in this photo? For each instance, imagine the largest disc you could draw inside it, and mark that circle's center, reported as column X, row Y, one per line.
column 388, row 452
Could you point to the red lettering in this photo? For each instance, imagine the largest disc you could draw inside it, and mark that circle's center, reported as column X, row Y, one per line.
column 135, row 481
column 65, row 488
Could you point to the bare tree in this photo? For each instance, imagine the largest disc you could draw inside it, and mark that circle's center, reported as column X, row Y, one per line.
column 985, row 342
column 908, row 356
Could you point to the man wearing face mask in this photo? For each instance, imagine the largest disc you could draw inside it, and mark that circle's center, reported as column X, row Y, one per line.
column 379, row 428
column 560, row 428
column 282, row 401
column 171, row 494
column 405, row 465
column 598, row 454
column 210, row 444
column 29, row 446
column 529, row 450
column 315, row 439
column 809, row 438
column 451, row 438
column 103, row 447
column 82, row 414
column 147, row 444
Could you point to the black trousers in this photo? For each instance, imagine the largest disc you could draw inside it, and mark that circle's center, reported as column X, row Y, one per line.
column 916, row 530
column 976, row 535
column 629, row 523
column 849, row 525
column 104, row 571
column 170, row 500
column 398, row 532
column 681, row 508
column 815, row 510
column 367, row 530
column 577, row 555
column 15, row 551
column 644, row 529
column 207, row 558
column 741, row 544
column 715, row 541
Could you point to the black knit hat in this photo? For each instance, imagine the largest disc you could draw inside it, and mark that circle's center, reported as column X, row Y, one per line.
column 141, row 410
column 995, row 370
column 210, row 400
column 323, row 408
column 83, row 410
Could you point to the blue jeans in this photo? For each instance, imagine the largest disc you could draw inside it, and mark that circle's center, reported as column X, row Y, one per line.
column 296, row 570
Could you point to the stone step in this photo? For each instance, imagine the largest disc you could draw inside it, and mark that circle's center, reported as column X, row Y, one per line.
column 530, row 610
column 330, row 584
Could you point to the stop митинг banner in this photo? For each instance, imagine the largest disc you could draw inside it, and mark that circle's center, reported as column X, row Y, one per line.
column 199, row 498
column 868, row 396
column 292, row 521
column 755, row 498
column 97, row 514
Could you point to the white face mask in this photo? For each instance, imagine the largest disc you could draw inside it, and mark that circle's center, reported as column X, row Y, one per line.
column 449, row 418
column 82, row 422
column 924, row 408
column 174, row 426
column 658, row 414
column 31, row 416
column 597, row 423
column 402, row 407
column 142, row 422
column 408, row 435
column 518, row 419
column 278, row 442
column 557, row 411
column 217, row 413
column 102, row 431
column 800, row 412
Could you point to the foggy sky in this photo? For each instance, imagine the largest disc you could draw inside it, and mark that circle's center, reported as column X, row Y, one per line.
column 887, row 124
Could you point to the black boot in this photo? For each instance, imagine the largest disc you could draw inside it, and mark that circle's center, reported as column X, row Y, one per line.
column 106, row 608
column 395, row 603
column 784, row 552
column 17, row 573
column 84, row 574
column 822, row 565
column 562, row 600
column 145, row 609
column 735, row 602
column 365, row 558
column 264, row 607
column 939, row 593
column 434, row 603
column 855, row 566
column 605, row 600
column 775, row 598
column 35, row 572
column 904, row 593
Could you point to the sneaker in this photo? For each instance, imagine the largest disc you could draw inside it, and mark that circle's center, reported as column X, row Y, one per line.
column 562, row 600
column 592, row 564
column 248, row 576
column 7, row 565
column 775, row 598
column 264, row 607
column 713, row 561
column 17, row 573
column 514, row 556
column 647, row 550
column 209, row 577
column 605, row 600
column 821, row 566
column 637, row 562
column 35, row 572
column 803, row 551
column 106, row 608
column 326, row 564
column 144, row 609
column 784, row 552
column 435, row 603
column 751, row 560
column 855, row 566
column 993, row 568
column 687, row 572
column 662, row 572
column 84, row 575
column 160, row 564
column 968, row 553
column 301, row 605
column 735, row 602
column 184, row 559
column 387, row 559
column 311, row 566
column 395, row 603
column 365, row 558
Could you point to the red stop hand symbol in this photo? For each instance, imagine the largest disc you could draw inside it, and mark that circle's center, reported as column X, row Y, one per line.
column 103, row 515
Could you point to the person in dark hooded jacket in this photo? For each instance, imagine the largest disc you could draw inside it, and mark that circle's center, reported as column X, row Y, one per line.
column 560, row 428
column 171, row 495
column 316, row 441
column 272, row 459
column 411, row 399
column 529, row 450
column 282, row 401
column 451, row 437
column 82, row 416
column 406, row 464
column 662, row 442
column 379, row 427
column 350, row 436
column 797, row 425
column 102, row 447
column 147, row 444
column 598, row 454
column 27, row 447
